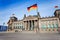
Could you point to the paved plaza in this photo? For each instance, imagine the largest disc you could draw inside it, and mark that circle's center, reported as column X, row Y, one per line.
column 29, row 36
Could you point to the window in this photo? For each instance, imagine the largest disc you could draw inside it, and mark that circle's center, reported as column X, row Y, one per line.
column 49, row 26
column 56, row 25
column 20, row 27
column 53, row 26
column 49, row 29
column 43, row 26
column 16, row 27
column 18, row 23
column 53, row 30
column 58, row 12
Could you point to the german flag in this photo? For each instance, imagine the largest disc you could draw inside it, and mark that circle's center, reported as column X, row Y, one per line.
column 56, row 6
column 33, row 7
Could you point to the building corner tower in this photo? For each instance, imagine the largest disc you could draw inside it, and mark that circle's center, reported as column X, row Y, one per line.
column 11, row 20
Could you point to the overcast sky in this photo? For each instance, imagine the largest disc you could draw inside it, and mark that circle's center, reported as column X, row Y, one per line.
column 19, row 8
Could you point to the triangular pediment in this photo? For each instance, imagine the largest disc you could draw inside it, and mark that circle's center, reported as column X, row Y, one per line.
column 30, row 18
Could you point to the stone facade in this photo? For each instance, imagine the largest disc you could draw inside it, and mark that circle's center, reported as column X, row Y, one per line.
column 18, row 25
column 11, row 20
column 49, row 24
column 36, row 23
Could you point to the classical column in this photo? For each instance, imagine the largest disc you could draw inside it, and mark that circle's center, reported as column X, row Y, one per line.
column 38, row 25
column 28, row 25
column 31, row 25
column 25, row 24
column 35, row 25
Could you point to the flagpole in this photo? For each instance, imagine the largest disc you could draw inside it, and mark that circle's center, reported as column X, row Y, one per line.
column 38, row 17
column 37, row 6
column 37, row 9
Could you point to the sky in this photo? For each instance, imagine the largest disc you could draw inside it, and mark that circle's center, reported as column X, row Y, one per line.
column 19, row 8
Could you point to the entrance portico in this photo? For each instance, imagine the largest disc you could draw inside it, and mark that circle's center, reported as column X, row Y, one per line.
column 31, row 25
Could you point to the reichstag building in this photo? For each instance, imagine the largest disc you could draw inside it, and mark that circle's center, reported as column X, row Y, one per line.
column 35, row 23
